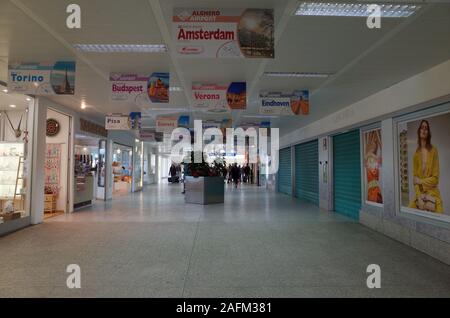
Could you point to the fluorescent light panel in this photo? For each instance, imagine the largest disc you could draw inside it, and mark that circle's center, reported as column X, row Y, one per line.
column 175, row 89
column 354, row 9
column 297, row 74
column 121, row 48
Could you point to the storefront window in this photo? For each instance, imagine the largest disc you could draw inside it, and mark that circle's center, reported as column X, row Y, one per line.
column 15, row 157
column 424, row 165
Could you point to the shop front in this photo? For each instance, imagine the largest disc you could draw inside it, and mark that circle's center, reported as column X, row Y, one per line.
column 16, row 137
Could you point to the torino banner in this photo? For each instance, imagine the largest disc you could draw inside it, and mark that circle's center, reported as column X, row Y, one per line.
column 218, row 98
column 224, row 33
column 139, row 89
column 42, row 79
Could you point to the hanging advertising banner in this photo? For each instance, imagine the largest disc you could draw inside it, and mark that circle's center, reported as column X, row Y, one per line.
column 117, row 122
column 147, row 134
column 217, row 98
column 372, row 167
column 42, row 79
column 166, row 124
column 223, row 33
column 142, row 90
column 183, row 121
column 136, row 120
column 424, row 160
column 294, row 102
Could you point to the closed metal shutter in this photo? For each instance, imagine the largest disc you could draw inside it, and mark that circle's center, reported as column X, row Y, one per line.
column 347, row 174
column 307, row 171
column 284, row 172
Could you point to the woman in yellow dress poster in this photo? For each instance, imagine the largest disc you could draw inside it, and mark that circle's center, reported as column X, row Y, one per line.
column 426, row 173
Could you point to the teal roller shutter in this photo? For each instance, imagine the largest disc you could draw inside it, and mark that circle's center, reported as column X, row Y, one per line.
column 284, row 171
column 347, row 174
column 307, row 171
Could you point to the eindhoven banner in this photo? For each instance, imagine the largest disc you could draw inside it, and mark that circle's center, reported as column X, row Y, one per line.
column 42, row 79
column 295, row 102
column 140, row 89
column 223, row 33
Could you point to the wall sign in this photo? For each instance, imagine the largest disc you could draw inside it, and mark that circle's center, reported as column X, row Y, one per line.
column 295, row 102
column 223, row 33
column 218, row 98
column 42, row 79
column 52, row 127
column 93, row 128
column 372, row 147
column 141, row 90
column 117, row 122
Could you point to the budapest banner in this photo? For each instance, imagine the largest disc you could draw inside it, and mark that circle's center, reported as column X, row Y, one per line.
column 224, row 33
column 42, row 79
column 141, row 90
column 284, row 102
column 218, row 98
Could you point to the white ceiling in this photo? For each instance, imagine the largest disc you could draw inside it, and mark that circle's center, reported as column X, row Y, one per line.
column 364, row 60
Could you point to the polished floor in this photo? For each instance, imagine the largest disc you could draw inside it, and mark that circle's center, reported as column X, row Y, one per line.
column 257, row 244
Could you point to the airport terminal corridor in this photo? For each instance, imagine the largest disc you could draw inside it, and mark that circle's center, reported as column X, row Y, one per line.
column 259, row 243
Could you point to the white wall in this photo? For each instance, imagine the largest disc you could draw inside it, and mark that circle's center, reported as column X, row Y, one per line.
column 62, row 138
column 421, row 88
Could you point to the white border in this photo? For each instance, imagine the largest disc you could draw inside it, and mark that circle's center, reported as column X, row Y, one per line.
column 424, row 114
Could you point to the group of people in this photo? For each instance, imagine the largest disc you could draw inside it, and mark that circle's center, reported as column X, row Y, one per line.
column 174, row 173
column 239, row 174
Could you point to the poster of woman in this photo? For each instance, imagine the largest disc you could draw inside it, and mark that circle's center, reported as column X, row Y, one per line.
column 425, row 175
column 372, row 166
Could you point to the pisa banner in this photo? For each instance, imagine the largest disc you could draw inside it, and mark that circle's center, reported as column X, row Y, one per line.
column 223, row 33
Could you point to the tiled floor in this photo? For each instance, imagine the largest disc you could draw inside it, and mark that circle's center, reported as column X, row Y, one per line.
column 257, row 244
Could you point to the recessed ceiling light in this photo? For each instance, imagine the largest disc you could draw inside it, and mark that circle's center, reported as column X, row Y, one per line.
column 355, row 9
column 175, row 89
column 121, row 48
column 12, row 106
column 83, row 105
column 296, row 74
column 5, row 91
column 28, row 99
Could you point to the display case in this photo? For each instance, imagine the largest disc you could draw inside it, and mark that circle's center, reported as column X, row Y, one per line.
column 12, row 181
column 84, row 181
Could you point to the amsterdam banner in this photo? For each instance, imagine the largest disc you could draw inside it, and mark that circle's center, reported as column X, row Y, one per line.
column 42, row 79
column 224, row 33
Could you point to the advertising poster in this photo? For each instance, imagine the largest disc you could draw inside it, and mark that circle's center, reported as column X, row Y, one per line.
column 53, row 167
column 218, row 98
column 117, row 122
column 372, row 167
column 223, row 33
column 284, row 103
column 166, row 124
column 158, row 87
column 424, row 158
column 42, row 79
column 141, row 90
